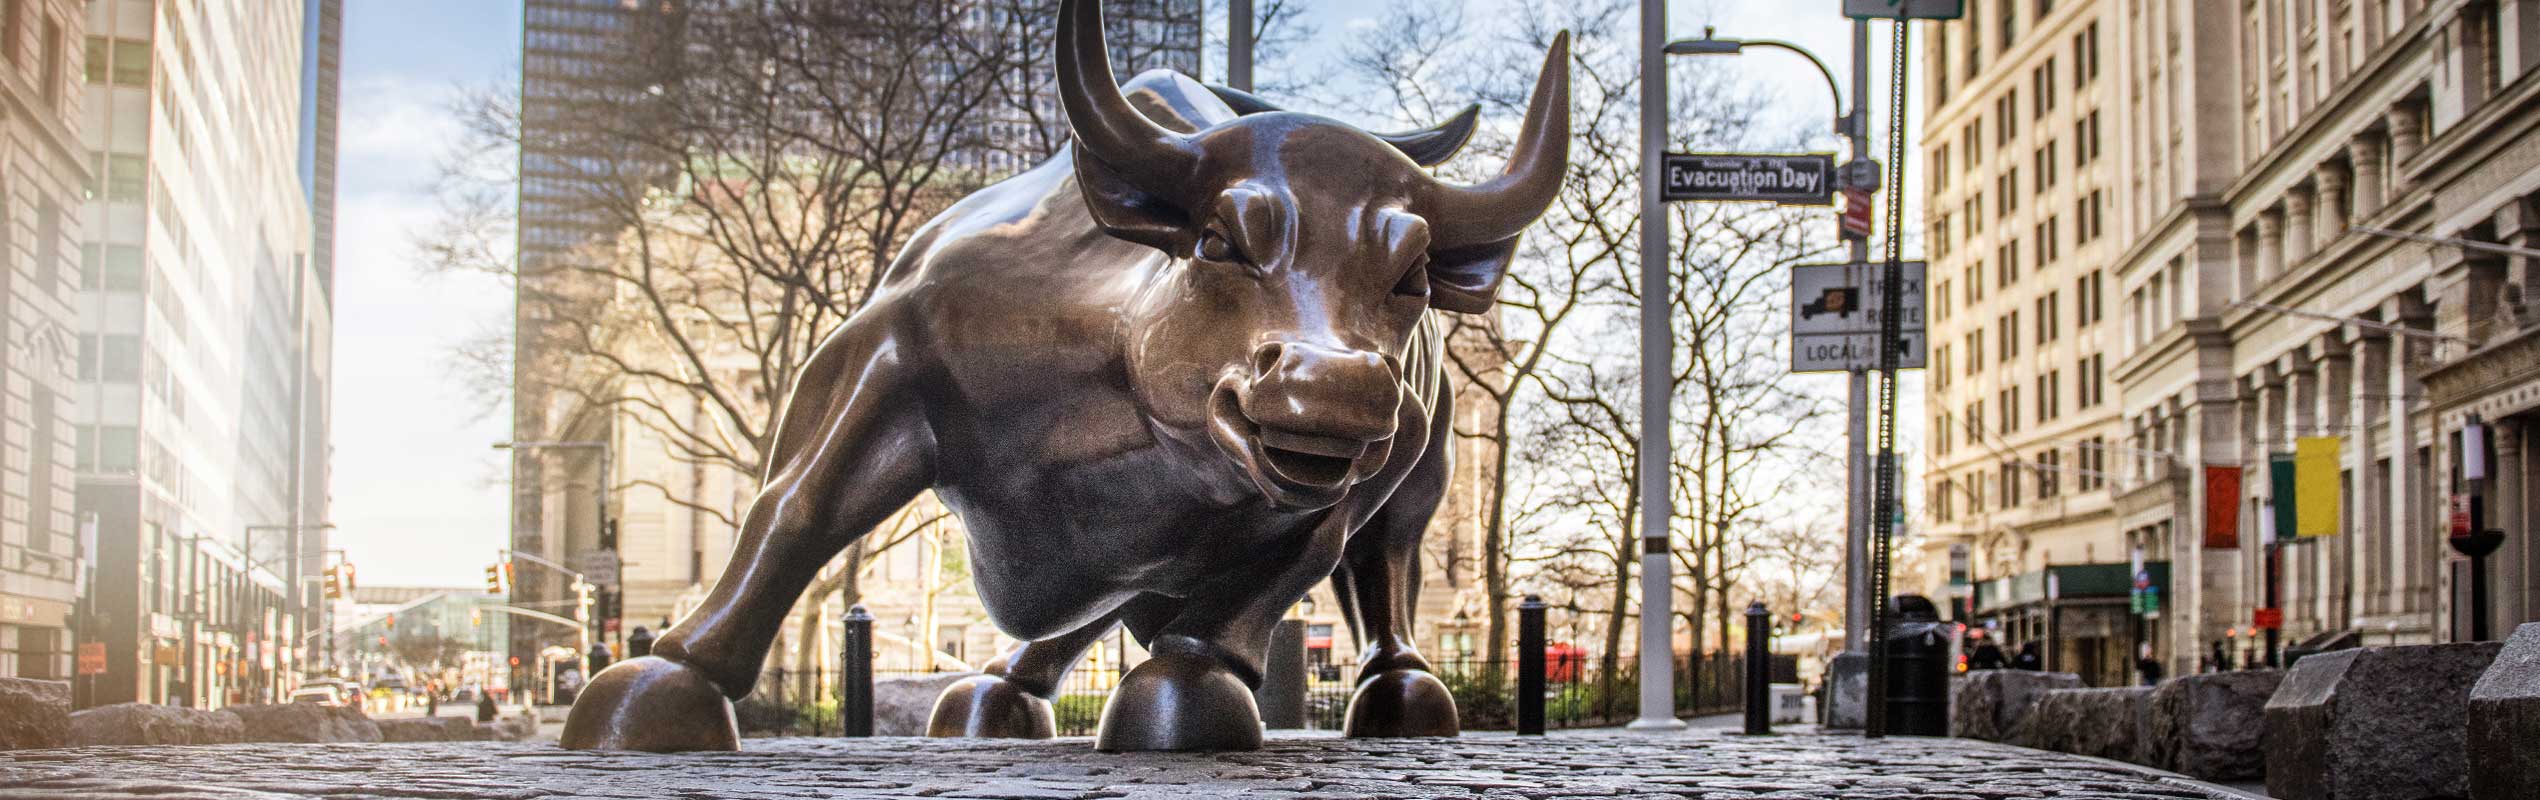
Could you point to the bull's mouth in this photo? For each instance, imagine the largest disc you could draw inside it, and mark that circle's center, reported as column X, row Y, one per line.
column 1294, row 470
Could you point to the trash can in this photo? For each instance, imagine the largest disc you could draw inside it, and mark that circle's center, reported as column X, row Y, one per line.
column 1917, row 668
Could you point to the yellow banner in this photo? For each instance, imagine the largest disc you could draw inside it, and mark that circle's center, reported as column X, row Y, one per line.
column 2316, row 492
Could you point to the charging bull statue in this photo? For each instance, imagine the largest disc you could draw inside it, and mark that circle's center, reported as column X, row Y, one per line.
column 1169, row 380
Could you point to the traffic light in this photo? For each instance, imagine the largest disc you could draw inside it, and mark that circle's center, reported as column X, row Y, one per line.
column 347, row 569
column 392, row 622
column 334, row 585
column 608, row 535
column 498, row 577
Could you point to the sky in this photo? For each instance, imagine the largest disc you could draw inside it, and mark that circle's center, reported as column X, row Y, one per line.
column 418, row 498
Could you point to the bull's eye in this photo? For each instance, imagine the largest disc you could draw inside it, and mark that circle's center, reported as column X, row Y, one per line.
column 1414, row 281
column 1214, row 246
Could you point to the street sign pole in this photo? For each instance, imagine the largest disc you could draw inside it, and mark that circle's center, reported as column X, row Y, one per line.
column 1657, row 351
column 1856, row 546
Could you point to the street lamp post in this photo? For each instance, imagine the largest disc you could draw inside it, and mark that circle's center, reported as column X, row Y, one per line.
column 1657, row 343
column 1657, row 354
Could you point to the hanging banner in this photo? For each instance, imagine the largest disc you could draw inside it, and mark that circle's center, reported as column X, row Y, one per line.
column 2222, row 508
column 2315, row 460
column 2283, row 490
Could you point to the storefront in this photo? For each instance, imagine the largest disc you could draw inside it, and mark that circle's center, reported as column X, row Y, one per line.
column 2087, row 619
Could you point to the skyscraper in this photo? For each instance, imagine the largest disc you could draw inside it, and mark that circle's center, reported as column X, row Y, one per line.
column 204, row 324
column 45, row 171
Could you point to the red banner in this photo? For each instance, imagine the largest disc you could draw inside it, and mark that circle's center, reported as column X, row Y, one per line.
column 92, row 658
column 2268, row 619
column 2222, row 508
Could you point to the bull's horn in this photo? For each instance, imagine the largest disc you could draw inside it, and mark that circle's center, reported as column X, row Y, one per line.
column 1427, row 147
column 1499, row 208
column 1105, row 124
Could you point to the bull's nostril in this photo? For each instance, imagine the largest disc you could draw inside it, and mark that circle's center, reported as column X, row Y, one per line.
column 1265, row 359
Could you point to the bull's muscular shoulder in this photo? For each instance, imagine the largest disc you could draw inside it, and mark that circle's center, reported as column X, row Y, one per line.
column 1015, row 284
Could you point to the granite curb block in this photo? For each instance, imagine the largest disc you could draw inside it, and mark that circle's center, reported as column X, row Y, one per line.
column 2209, row 726
column 1988, row 704
column 2375, row 723
column 2504, row 721
column 2101, row 723
column 34, row 713
column 1708, row 764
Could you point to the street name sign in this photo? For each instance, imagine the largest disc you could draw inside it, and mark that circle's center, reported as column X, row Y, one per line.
column 1905, row 9
column 1791, row 180
column 1835, row 314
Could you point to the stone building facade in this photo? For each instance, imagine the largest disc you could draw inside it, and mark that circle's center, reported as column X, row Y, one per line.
column 43, row 168
column 2023, row 413
column 2308, row 185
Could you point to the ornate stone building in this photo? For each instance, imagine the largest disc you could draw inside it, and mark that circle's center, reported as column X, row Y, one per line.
column 2023, row 412
column 2313, row 194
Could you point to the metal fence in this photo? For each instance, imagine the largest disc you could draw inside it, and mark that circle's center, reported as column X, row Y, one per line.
column 1580, row 691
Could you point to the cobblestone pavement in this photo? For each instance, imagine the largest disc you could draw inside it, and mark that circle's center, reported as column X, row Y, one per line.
column 1700, row 764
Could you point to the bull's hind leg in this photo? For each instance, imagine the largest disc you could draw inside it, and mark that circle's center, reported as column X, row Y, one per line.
column 1011, row 700
column 1195, row 693
column 851, row 450
column 1379, row 583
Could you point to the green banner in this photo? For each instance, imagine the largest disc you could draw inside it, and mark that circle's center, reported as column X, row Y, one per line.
column 2281, row 491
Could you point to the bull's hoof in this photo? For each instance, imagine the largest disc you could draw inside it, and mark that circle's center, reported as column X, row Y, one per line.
column 990, row 707
column 1180, row 701
column 1401, row 702
column 651, row 704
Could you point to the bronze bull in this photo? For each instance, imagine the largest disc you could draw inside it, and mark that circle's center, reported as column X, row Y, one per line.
column 1169, row 380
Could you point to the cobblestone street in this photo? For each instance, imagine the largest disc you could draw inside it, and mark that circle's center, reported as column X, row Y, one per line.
column 1698, row 764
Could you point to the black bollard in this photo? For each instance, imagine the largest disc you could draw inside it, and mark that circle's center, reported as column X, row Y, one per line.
column 855, row 674
column 1530, row 667
column 596, row 660
column 1759, row 670
column 640, row 643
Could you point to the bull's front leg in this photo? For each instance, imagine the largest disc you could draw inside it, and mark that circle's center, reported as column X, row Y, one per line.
column 852, row 449
column 1195, row 693
column 1379, row 584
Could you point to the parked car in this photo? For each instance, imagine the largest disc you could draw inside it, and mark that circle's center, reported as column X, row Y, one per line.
column 323, row 695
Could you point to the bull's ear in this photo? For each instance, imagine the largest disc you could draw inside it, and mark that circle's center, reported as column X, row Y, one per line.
column 1466, row 279
column 1130, row 213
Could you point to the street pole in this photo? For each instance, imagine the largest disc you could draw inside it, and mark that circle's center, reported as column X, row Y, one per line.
column 1856, row 548
column 1239, row 44
column 1657, row 354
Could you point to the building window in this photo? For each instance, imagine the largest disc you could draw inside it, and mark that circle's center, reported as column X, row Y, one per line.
column 51, row 70
column 132, row 63
column 2042, row 89
column 48, row 246
column 2046, row 314
column 2008, row 30
column 127, row 178
column 2050, row 467
column 13, row 31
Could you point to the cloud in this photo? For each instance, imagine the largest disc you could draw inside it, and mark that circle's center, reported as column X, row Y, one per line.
column 1361, row 23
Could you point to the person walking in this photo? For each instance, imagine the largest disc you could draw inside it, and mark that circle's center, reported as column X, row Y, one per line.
column 2028, row 658
column 1987, row 656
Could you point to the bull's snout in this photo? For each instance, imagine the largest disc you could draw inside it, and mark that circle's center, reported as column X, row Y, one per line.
column 1322, row 400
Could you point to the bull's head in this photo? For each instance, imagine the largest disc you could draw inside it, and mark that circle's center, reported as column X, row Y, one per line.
column 1303, row 253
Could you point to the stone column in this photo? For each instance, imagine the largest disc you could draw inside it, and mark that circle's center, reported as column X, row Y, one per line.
column 2333, row 559
column 2297, row 226
column 2407, row 135
column 2270, row 247
column 2331, row 206
column 2508, row 578
column 2410, row 540
column 2369, row 504
column 2364, row 153
column 2518, row 224
column 2297, row 570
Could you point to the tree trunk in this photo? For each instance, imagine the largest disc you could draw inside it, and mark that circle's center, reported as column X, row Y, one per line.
column 1494, row 540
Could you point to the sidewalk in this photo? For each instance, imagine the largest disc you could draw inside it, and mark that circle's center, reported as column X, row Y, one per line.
column 1703, row 762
